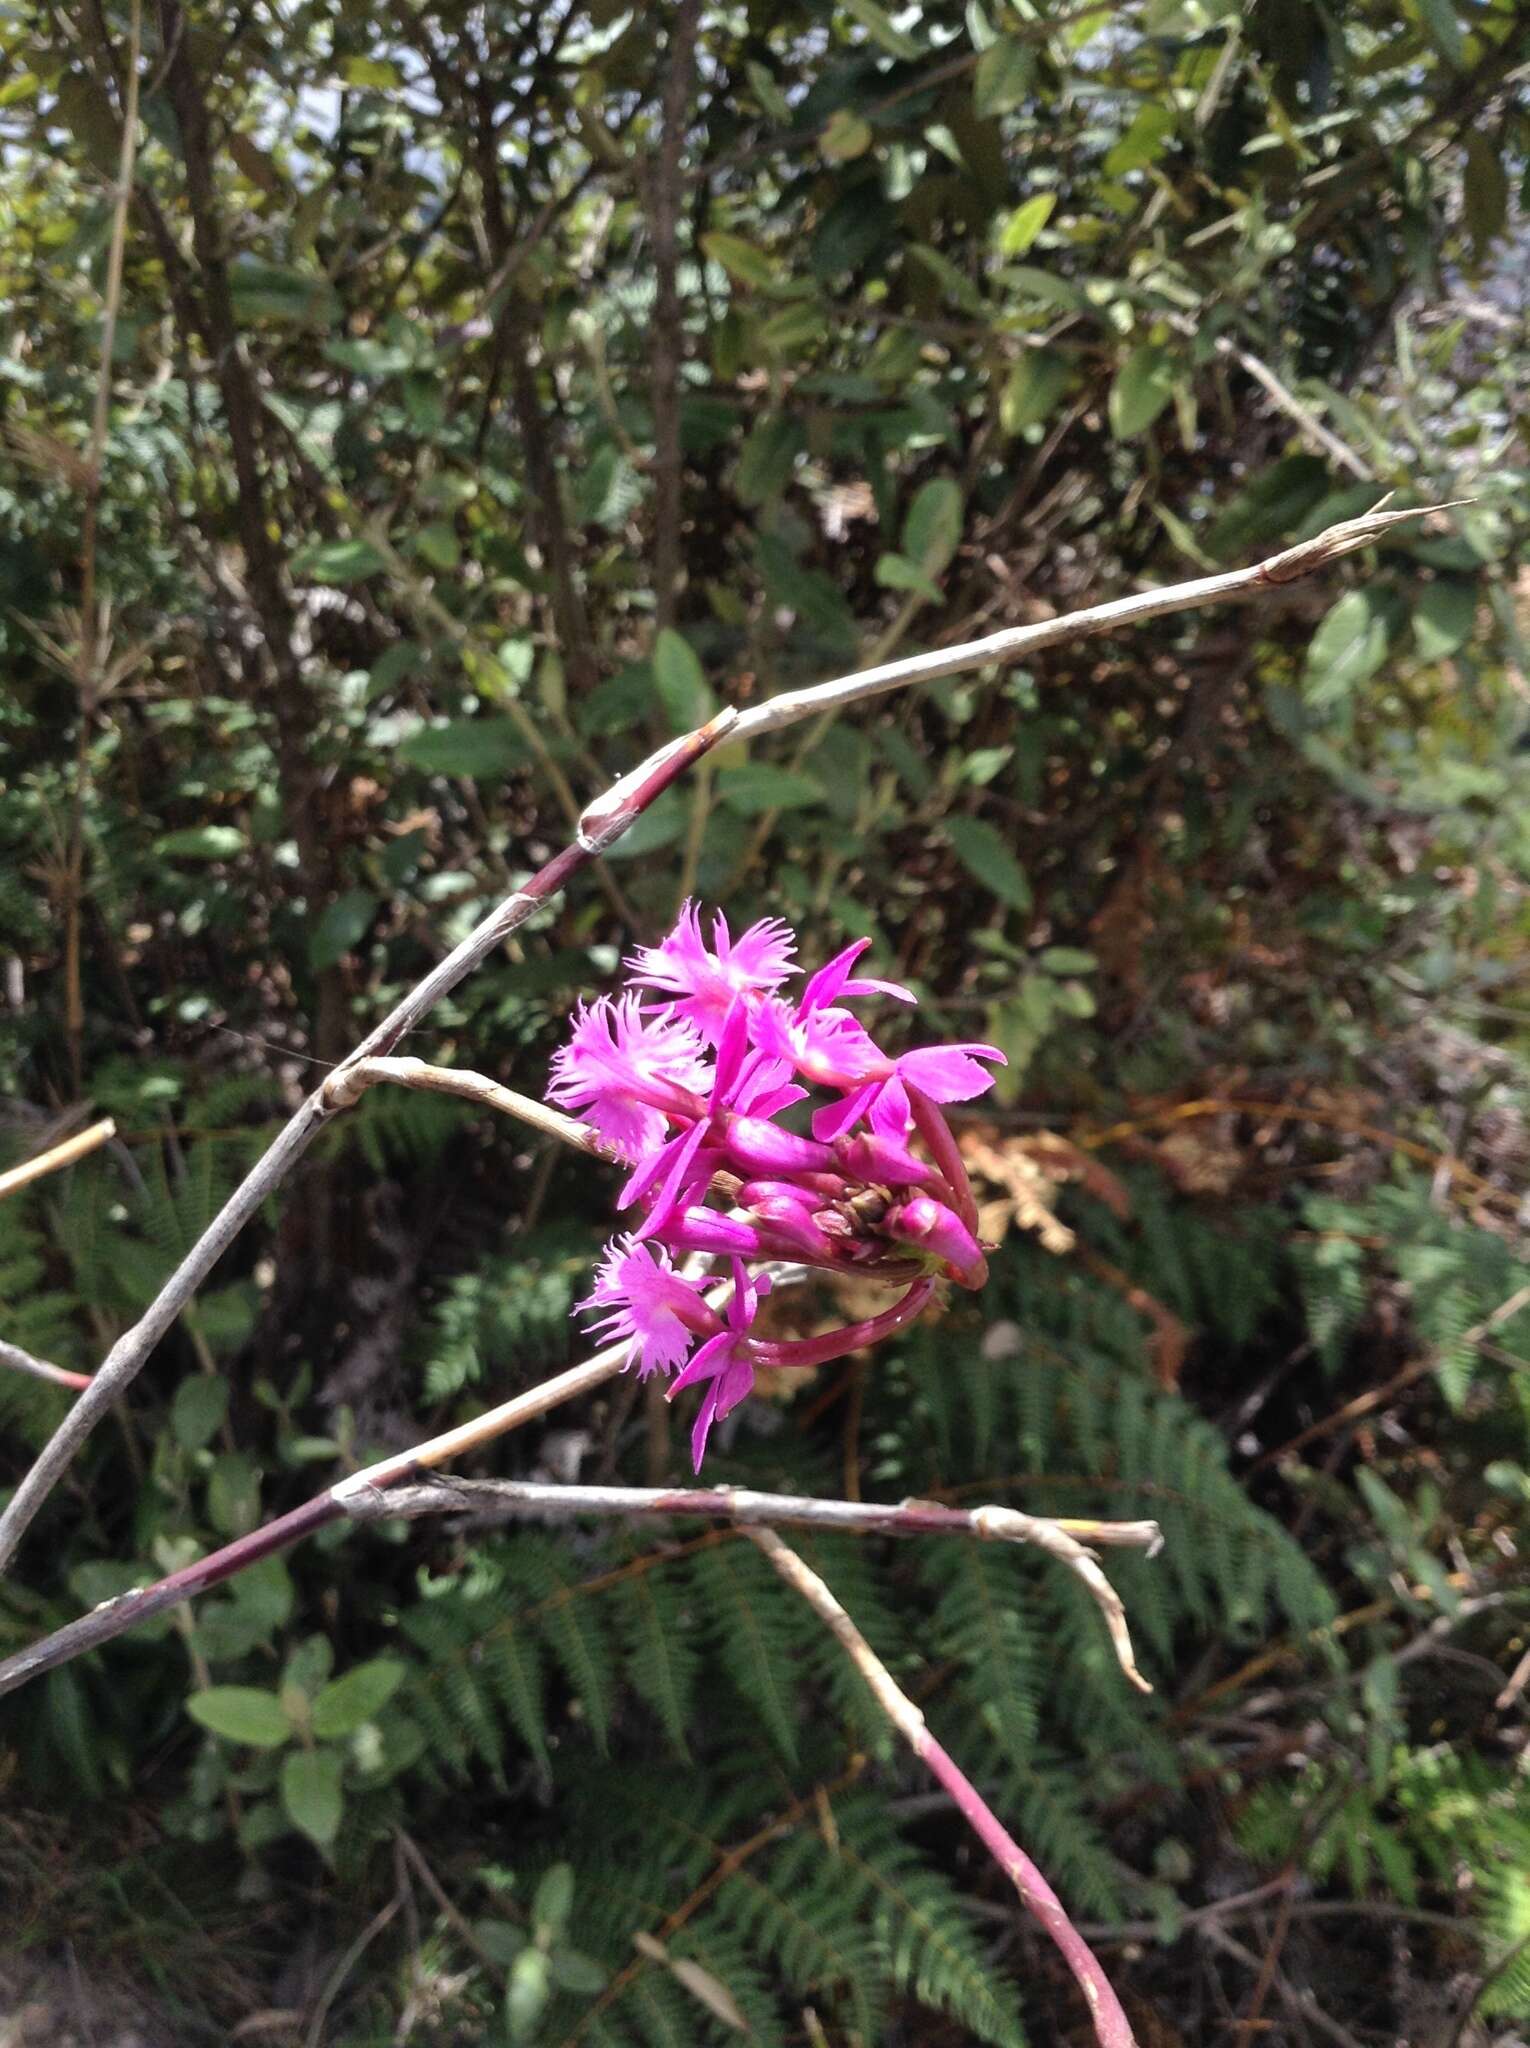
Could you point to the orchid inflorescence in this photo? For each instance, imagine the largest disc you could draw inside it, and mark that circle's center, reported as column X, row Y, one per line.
column 684, row 1077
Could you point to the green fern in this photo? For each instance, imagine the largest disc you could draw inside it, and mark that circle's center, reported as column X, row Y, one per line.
column 511, row 1312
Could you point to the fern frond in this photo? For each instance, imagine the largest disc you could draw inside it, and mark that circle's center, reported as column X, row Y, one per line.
column 757, row 1628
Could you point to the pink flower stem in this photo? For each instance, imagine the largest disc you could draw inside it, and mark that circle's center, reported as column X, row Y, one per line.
column 852, row 1337
column 936, row 1133
column 1111, row 2027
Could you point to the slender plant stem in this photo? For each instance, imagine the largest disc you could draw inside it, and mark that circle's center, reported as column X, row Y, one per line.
column 17, row 1360
column 349, row 1083
column 88, row 673
column 1111, row 2027
column 600, row 825
column 392, row 1489
column 58, row 1156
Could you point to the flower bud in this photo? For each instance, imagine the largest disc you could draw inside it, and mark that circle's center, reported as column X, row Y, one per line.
column 708, row 1230
column 762, row 1150
column 790, row 1219
column 937, row 1230
column 870, row 1158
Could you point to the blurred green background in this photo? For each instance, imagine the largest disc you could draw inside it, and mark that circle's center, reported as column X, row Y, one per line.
column 492, row 391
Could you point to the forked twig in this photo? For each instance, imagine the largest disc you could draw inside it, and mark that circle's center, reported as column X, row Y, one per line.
column 383, row 1492
column 525, row 1500
column 600, row 825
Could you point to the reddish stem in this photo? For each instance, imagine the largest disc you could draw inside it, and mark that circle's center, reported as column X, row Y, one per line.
column 807, row 1351
column 1111, row 2026
column 936, row 1133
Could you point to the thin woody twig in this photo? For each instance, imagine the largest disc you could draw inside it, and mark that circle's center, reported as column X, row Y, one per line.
column 1292, row 406
column 600, row 825
column 1111, row 2027
column 57, row 1156
column 116, row 1616
column 18, row 1360
column 349, row 1083
column 383, row 1492
column 513, row 1500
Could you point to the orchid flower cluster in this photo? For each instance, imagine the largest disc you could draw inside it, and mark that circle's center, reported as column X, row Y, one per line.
column 684, row 1076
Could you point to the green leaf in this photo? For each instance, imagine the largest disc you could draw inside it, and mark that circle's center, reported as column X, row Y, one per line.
column 1485, row 192
column 465, row 746
column 934, row 525
column 342, row 927
column 1143, row 386
column 1445, row 32
column 574, row 1971
column 1347, row 648
column 1033, row 389
column 1026, row 223
column 769, row 94
column 438, row 545
column 1004, row 74
column 811, row 593
column 197, row 1412
column 859, row 225
column 956, row 286
column 1029, row 282
column 241, row 1713
column 744, row 263
column 500, row 1941
column 845, row 137
column 554, row 1899
column 760, row 787
column 769, row 457
column 369, row 358
column 897, row 572
column 1444, row 616
column 530, row 1989
column 1143, row 143
column 233, row 1494
column 806, row 321
column 201, row 842
column 680, row 682
column 271, row 291
column 879, row 27
column 311, row 1793
column 348, row 1703
column 607, row 488
column 1274, row 504
column 986, row 857
column 371, row 72
column 337, row 561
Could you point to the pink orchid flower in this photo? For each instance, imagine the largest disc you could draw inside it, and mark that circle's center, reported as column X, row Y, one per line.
column 703, row 983
column 689, row 1089
column 828, row 1046
column 723, row 1363
column 648, row 1305
column 627, row 1072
